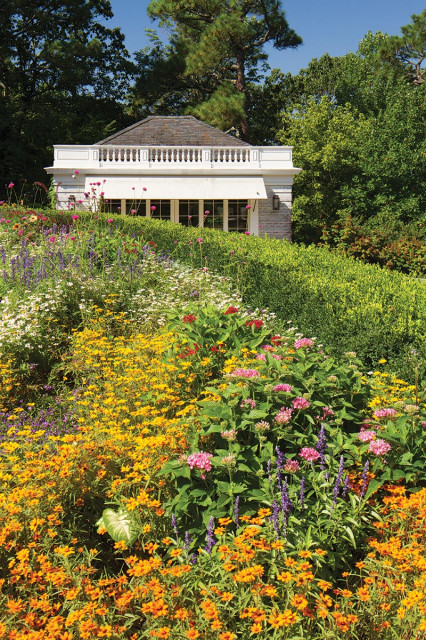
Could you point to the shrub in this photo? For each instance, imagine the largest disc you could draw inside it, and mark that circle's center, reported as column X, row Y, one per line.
column 348, row 305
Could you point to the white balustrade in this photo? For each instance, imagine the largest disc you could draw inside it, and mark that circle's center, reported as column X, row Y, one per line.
column 155, row 157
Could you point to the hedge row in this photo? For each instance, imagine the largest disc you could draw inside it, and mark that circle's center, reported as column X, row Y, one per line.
column 348, row 305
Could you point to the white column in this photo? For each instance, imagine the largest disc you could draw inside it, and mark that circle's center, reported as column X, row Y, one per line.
column 201, row 213
column 225, row 215
column 253, row 218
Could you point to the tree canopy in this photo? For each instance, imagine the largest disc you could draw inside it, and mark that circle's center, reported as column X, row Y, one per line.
column 61, row 73
column 224, row 42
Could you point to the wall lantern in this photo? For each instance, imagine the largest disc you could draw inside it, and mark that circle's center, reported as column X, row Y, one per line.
column 276, row 203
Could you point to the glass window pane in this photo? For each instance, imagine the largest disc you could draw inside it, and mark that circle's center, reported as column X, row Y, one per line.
column 136, row 207
column 213, row 214
column 188, row 213
column 160, row 209
column 238, row 215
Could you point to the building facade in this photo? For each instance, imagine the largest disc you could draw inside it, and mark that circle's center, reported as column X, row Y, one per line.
column 180, row 169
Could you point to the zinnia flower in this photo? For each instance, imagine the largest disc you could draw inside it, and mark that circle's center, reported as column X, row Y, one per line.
column 304, row 342
column 283, row 387
column 244, row 373
column 309, row 454
column 379, row 447
column 300, row 403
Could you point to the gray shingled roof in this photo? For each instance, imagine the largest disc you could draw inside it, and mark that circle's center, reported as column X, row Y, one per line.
column 173, row 131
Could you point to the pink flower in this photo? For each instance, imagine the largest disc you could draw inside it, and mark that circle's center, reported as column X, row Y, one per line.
column 153, row 208
column 379, row 447
column 384, row 413
column 283, row 416
column 52, row 238
column 76, row 172
column 132, row 210
column 283, row 387
column 304, row 342
column 261, row 356
column 250, row 402
column 248, row 206
column 200, row 461
column 206, row 213
column 309, row 454
column 300, row 403
column 367, row 436
column 110, row 220
column 80, row 201
column 247, row 233
column 75, row 217
column 291, row 466
column 10, row 185
column 200, row 240
column 144, row 189
column 244, row 373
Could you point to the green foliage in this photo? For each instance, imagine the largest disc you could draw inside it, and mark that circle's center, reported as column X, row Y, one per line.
column 224, row 41
column 348, row 305
column 408, row 50
column 56, row 57
column 394, row 249
column 256, row 449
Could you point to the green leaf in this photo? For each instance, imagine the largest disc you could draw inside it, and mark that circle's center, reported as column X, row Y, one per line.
column 120, row 525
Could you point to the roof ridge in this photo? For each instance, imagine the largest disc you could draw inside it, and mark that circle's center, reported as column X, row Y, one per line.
column 207, row 127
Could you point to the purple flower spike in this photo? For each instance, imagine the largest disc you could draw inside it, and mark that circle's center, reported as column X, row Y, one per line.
column 211, row 541
column 364, row 477
column 338, row 481
column 174, row 525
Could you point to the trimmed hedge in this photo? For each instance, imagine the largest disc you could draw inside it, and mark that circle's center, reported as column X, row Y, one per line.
column 348, row 305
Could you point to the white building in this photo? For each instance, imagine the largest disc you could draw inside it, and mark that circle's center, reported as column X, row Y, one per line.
column 181, row 169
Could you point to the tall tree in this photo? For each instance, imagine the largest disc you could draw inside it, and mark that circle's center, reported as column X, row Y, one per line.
column 358, row 129
column 224, row 41
column 58, row 63
column 409, row 49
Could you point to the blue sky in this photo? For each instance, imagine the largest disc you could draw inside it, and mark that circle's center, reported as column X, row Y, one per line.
column 326, row 26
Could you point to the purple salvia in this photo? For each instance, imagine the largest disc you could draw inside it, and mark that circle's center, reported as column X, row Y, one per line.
column 321, row 445
column 211, row 541
column 286, row 505
column 280, row 465
column 345, row 487
column 236, row 510
column 174, row 525
column 364, row 478
column 275, row 518
column 338, row 481
column 187, row 541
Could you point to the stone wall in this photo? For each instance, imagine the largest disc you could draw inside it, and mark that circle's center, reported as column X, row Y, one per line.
column 276, row 224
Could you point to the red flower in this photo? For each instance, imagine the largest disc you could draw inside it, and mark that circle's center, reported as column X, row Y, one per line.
column 189, row 318
column 256, row 323
column 276, row 340
column 231, row 310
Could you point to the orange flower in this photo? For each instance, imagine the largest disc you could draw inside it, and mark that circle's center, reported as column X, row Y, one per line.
column 226, row 635
column 299, row 601
column 192, row 634
column 363, row 594
column 285, row 619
